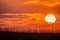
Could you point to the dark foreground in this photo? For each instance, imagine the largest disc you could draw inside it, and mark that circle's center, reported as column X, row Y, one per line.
column 26, row 36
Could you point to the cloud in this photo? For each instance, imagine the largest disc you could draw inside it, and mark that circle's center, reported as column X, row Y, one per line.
column 25, row 6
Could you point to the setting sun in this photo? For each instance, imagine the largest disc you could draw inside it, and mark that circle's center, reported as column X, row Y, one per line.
column 30, row 15
column 50, row 18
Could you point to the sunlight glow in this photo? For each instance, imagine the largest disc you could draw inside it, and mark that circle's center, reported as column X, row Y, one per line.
column 50, row 18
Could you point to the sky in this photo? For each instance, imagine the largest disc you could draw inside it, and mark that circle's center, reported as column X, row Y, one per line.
column 29, row 14
column 29, row 6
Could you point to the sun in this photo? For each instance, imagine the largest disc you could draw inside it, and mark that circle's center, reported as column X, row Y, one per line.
column 50, row 18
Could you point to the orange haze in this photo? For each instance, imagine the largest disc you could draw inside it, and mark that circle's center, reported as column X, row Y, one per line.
column 29, row 15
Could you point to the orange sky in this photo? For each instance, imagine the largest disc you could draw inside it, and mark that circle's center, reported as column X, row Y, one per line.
column 30, row 6
column 33, row 13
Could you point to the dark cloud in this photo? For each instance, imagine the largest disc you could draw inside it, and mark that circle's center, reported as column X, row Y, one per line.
column 2, row 24
column 7, row 16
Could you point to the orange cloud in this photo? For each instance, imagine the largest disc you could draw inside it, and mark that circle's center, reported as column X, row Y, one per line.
column 30, row 2
column 30, row 6
column 50, row 3
column 29, row 14
column 28, row 22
